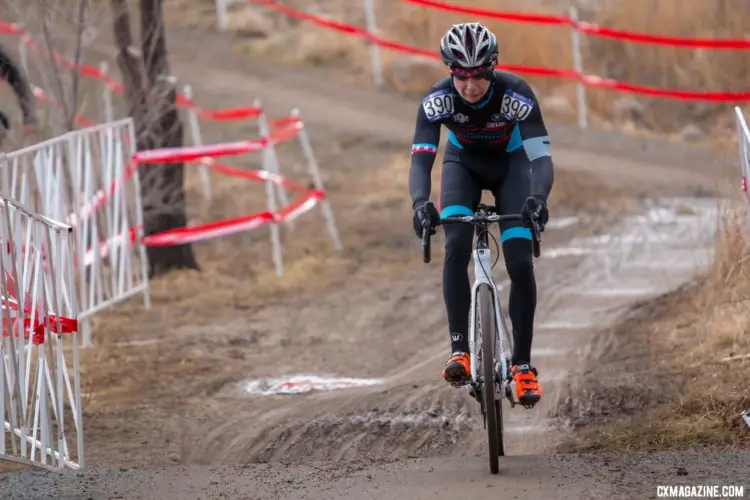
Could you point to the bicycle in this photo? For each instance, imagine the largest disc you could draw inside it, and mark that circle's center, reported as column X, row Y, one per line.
column 485, row 295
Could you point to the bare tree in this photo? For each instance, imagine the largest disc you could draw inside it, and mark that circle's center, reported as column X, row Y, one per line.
column 12, row 73
column 151, row 99
column 50, row 22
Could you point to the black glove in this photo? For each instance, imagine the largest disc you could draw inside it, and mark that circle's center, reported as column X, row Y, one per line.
column 536, row 206
column 425, row 215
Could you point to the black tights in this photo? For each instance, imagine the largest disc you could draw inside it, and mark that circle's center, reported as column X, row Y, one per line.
column 457, row 289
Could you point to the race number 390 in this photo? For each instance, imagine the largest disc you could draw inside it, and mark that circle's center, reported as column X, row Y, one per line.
column 438, row 106
column 514, row 108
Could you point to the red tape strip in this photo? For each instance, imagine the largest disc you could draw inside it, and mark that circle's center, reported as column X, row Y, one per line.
column 588, row 80
column 95, row 73
column 590, row 28
column 53, row 323
column 282, row 130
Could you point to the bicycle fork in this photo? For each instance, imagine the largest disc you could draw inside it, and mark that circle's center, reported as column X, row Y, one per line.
column 483, row 276
column 502, row 360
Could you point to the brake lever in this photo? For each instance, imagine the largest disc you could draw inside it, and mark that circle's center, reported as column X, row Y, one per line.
column 538, row 219
column 537, row 229
column 428, row 229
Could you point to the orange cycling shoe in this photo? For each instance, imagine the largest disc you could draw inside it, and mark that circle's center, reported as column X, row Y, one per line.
column 528, row 389
column 457, row 368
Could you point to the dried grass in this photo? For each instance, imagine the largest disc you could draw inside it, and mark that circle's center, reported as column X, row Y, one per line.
column 536, row 45
column 675, row 351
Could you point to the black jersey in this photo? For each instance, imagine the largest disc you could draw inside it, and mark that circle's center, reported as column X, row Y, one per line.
column 508, row 118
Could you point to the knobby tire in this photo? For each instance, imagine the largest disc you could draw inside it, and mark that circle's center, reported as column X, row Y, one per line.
column 493, row 417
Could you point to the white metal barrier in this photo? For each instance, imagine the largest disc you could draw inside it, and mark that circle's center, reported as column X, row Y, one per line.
column 743, row 139
column 270, row 161
column 107, row 285
column 317, row 179
column 86, row 178
column 41, row 398
column 265, row 129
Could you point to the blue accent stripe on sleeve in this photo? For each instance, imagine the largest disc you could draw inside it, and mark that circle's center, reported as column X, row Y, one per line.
column 536, row 147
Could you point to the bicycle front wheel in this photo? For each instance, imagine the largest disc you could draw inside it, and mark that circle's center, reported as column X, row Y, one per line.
column 493, row 418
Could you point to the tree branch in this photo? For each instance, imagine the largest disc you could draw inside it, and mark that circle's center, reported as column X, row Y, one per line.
column 75, row 75
column 49, row 48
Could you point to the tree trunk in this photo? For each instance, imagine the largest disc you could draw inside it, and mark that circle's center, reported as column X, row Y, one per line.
column 152, row 104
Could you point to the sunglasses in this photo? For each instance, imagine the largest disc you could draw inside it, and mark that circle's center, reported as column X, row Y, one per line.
column 463, row 74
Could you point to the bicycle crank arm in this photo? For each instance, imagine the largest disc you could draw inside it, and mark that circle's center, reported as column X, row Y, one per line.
column 510, row 395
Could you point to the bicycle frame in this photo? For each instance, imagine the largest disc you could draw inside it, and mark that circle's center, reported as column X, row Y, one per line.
column 482, row 257
column 488, row 396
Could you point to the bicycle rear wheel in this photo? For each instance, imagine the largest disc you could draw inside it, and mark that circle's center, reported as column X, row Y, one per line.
column 493, row 417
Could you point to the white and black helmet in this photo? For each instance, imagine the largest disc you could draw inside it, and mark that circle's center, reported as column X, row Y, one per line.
column 468, row 45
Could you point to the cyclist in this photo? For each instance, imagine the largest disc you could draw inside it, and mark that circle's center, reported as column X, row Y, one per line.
column 497, row 141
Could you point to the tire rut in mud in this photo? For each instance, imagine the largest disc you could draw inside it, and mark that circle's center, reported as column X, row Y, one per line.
column 412, row 413
column 407, row 420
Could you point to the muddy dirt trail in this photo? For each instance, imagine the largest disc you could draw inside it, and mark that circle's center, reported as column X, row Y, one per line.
column 362, row 443
column 408, row 411
column 627, row 476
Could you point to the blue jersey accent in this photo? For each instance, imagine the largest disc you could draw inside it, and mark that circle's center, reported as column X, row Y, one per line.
column 515, row 141
column 536, row 147
column 454, row 140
